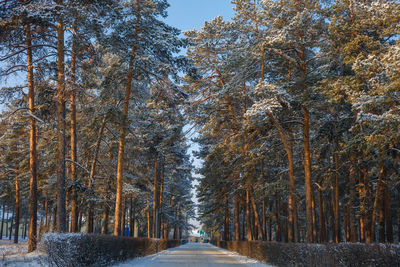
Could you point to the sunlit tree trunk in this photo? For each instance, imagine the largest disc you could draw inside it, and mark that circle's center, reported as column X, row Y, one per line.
column 61, row 143
column 121, row 148
column 32, row 235
column 74, row 157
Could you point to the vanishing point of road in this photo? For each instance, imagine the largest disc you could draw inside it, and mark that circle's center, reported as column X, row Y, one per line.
column 193, row 255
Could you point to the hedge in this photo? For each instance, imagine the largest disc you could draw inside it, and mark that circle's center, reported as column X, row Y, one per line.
column 300, row 254
column 99, row 250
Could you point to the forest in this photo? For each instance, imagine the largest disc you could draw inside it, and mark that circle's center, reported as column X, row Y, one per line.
column 94, row 141
column 295, row 105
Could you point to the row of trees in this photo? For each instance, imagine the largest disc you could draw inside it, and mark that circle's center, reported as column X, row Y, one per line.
column 96, row 133
column 297, row 105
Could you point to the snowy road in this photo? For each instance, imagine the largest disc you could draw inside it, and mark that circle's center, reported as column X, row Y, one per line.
column 194, row 255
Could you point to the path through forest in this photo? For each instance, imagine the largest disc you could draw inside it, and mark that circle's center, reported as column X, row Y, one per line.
column 194, row 255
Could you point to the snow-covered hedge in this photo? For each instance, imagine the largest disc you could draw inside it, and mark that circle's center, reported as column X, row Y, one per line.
column 300, row 254
column 99, row 250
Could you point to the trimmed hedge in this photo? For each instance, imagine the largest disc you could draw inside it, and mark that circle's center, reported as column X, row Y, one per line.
column 300, row 254
column 99, row 250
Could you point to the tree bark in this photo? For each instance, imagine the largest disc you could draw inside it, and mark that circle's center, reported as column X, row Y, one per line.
column 74, row 157
column 160, row 201
column 236, row 212
column 292, row 229
column 352, row 199
column 378, row 200
column 3, row 211
column 307, row 172
column 12, row 222
column 104, row 224
column 226, row 222
column 32, row 238
column 256, row 216
column 155, row 199
column 278, row 218
column 92, row 174
column 120, row 165
column 17, row 210
column 61, row 143
column 388, row 216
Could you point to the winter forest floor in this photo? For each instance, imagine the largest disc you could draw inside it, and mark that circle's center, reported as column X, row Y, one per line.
column 194, row 255
column 16, row 255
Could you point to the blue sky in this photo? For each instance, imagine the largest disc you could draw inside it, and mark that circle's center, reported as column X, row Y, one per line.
column 191, row 14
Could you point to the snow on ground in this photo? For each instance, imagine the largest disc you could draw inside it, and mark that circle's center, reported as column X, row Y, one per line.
column 194, row 255
column 16, row 255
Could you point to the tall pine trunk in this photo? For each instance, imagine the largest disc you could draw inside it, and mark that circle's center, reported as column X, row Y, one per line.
column 61, row 143
column 74, row 157
column 122, row 133
column 155, row 199
column 308, row 178
column 17, row 210
column 32, row 235
column 352, row 198
column 92, row 174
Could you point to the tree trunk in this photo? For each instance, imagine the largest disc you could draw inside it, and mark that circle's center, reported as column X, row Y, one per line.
column 368, row 236
column 336, row 200
column 352, row 199
column 155, row 199
column 8, row 215
column 61, row 143
column 322, row 224
column 25, row 223
column 32, row 239
column 378, row 199
column 17, row 210
column 277, row 218
column 307, row 172
column 361, row 195
column 257, row 217
column 131, row 218
column 270, row 220
column 12, row 223
column 314, row 219
column 123, row 222
column 236, row 213
column 74, row 157
column 226, row 223
column 148, row 219
column 388, row 216
column 3, row 211
column 160, row 201
column 121, row 148
column 292, row 230
column 248, row 215
column 92, row 174
column 104, row 224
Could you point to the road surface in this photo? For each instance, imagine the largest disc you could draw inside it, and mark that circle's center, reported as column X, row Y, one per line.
column 194, row 255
